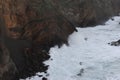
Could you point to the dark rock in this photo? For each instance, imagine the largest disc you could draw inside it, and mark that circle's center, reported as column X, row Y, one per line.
column 81, row 72
column 44, row 78
column 85, row 39
column 33, row 26
column 7, row 67
column 87, row 12
column 112, row 19
column 80, row 63
column 36, row 23
column 40, row 75
column 115, row 43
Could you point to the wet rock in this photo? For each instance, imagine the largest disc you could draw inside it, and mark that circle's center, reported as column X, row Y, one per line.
column 115, row 43
column 81, row 72
column 44, row 24
column 35, row 22
column 44, row 78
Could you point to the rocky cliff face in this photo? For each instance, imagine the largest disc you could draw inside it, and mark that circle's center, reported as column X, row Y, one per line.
column 7, row 66
column 33, row 26
column 87, row 12
column 30, row 28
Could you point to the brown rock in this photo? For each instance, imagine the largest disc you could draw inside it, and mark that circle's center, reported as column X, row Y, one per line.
column 45, row 23
column 7, row 67
column 36, row 23
column 87, row 12
column 49, row 29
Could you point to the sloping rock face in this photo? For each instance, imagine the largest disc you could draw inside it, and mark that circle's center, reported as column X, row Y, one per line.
column 7, row 67
column 31, row 27
column 87, row 12
column 20, row 13
column 50, row 27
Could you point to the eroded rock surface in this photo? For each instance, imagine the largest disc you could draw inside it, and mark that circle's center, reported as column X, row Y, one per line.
column 87, row 12
column 7, row 67
column 31, row 28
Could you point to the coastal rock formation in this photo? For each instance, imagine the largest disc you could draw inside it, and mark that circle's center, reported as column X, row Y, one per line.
column 7, row 67
column 29, row 29
column 32, row 27
column 87, row 12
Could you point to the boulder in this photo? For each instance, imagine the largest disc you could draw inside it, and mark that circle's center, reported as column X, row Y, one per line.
column 115, row 43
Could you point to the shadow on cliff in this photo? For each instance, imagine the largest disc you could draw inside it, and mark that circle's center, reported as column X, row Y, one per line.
column 30, row 48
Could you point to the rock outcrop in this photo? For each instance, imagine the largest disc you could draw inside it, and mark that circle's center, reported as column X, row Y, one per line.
column 115, row 43
column 31, row 27
column 87, row 12
column 7, row 67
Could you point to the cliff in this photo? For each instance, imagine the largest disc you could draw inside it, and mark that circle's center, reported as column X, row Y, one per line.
column 28, row 30
column 87, row 12
column 32, row 27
